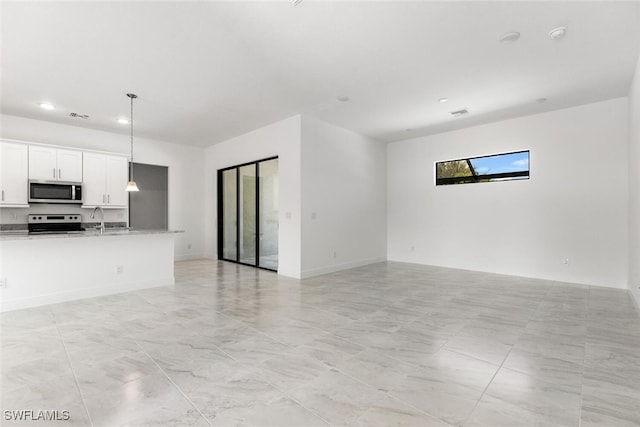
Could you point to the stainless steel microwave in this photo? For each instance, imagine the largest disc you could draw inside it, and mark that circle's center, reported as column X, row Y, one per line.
column 46, row 192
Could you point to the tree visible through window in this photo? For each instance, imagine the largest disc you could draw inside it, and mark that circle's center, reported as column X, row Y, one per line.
column 497, row 167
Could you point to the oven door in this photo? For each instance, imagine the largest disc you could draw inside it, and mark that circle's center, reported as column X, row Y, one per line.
column 40, row 192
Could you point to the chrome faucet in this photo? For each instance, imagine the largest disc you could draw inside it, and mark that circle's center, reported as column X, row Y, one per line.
column 93, row 215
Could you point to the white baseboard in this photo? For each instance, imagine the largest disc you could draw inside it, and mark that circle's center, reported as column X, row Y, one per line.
column 76, row 294
column 339, row 267
column 559, row 280
column 294, row 275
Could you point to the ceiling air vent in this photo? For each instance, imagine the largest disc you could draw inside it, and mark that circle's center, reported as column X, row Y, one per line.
column 79, row 116
column 459, row 112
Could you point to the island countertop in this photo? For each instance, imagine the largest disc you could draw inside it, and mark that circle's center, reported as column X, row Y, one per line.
column 108, row 232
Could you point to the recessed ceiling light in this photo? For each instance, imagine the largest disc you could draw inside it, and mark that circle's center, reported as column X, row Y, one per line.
column 558, row 33
column 295, row 2
column 443, row 100
column 343, row 98
column 123, row 121
column 541, row 100
column 47, row 106
column 508, row 38
column 408, row 130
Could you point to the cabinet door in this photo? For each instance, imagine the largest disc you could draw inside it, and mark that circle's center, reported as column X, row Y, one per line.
column 117, row 181
column 94, row 171
column 69, row 165
column 42, row 163
column 14, row 174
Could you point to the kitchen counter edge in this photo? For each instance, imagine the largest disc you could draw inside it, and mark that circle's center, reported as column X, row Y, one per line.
column 13, row 235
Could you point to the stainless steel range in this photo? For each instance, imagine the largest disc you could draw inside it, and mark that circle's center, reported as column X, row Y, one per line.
column 55, row 223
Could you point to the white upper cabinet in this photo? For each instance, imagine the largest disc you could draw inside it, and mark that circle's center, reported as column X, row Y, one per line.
column 14, row 175
column 117, row 177
column 93, row 187
column 54, row 164
column 105, row 180
column 69, row 165
column 42, row 163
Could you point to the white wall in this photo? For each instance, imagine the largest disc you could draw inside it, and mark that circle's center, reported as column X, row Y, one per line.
column 634, row 186
column 336, row 174
column 186, row 171
column 280, row 139
column 573, row 207
column 343, row 198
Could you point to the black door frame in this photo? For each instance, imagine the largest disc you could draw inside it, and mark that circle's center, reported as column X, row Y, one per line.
column 221, row 213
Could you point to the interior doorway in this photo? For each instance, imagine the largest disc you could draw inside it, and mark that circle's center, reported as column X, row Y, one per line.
column 248, row 214
column 149, row 207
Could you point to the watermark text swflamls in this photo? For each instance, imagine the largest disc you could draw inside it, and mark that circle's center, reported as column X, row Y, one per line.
column 36, row 415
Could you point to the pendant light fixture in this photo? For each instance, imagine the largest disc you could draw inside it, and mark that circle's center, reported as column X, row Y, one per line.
column 131, row 185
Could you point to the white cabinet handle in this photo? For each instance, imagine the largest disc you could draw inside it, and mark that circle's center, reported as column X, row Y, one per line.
column 103, row 199
column 109, row 198
column 59, row 174
column 54, row 173
column 3, row 195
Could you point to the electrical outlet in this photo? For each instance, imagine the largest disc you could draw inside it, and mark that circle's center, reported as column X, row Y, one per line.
column 335, row 254
column 413, row 248
column 314, row 215
column 566, row 261
column 188, row 245
column 3, row 282
column 120, row 269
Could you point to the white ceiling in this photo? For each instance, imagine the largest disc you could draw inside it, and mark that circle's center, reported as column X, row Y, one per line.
column 207, row 71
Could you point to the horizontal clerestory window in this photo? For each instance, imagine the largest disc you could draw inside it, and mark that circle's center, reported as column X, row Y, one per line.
column 497, row 167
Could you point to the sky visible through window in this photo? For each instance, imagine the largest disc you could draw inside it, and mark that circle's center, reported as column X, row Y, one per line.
column 501, row 163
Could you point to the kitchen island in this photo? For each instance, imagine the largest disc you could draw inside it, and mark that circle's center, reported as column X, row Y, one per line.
column 38, row 269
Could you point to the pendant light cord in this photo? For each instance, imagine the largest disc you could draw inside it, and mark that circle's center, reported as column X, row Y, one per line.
column 131, row 96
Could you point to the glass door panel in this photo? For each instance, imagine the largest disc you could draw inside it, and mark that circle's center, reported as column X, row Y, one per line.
column 268, row 214
column 229, row 214
column 248, row 213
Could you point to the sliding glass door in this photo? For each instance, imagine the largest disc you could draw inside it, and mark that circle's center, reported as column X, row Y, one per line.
column 227, row 199
column 248, row 214
column 268, row 214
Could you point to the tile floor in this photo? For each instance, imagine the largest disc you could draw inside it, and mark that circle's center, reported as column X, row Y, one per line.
column 389, row 344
